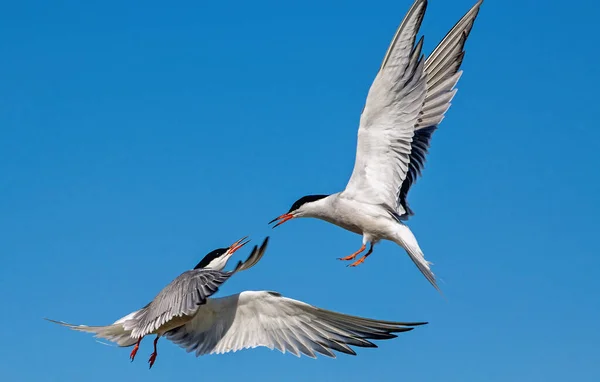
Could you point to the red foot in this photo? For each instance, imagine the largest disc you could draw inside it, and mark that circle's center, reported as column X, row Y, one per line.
column 352, row 256
column 152, row 359
column 135, row 349
column 362, row 259
column 153, row 355
column 358, row 262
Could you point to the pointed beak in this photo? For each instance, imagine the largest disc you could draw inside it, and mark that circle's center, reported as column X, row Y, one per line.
column 281, row 219
column 238, row 244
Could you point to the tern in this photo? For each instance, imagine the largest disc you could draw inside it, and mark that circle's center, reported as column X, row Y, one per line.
column 184, row 314
column 404, row 106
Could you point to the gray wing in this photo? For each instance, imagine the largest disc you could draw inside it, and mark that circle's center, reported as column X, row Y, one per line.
column 387, row 123
column 442, row 72
column 178, row 299
column 183, row 296
column 260, row 318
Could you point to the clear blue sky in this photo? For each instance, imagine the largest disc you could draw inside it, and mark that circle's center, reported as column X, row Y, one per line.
column 136, row 137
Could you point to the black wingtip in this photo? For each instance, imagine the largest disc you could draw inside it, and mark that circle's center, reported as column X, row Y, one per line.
column 369, row 344
column 255, row 255
column 417, row 323
column 265, row 242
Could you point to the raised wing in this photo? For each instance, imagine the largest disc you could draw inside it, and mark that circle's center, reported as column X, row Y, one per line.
column 442, row 72
column 180, row 298
column 388, row 121
column 185, row 294
column 251, row 319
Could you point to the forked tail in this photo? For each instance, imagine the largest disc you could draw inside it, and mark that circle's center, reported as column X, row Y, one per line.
column 114, row 333
column 406, row 239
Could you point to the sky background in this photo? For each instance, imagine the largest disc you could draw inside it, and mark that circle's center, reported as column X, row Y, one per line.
column 135, row 137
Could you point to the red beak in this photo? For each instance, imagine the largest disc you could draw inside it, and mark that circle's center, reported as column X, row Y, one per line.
column 282, row 219
column 238, row 244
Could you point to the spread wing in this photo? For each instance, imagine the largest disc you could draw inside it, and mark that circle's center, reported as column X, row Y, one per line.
column 181, row 297
column 184, row 295
column 388, row 121
column 251, row 319
column 442, row 69
column 405, row 104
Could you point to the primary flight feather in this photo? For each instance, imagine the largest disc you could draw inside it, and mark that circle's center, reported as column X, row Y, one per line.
column 184, row 312
column 404, row 106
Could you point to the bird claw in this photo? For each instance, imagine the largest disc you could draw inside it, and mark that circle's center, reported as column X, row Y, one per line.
column 152, row 359
column 352, row 256
column 358, row 262
column 133, row 353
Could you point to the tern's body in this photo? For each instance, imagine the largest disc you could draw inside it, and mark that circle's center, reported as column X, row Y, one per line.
column 184, row 312
column 374, row 223
column 406, row 102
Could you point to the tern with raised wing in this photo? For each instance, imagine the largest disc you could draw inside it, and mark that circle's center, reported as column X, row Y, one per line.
column 184, row 314
column 404, row 106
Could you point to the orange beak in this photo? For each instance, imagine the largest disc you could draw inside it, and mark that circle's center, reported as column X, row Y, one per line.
column 238, row 244
column 282, row 219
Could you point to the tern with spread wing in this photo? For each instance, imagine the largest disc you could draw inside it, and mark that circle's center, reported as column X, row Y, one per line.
column 404, row 106
column 184, row 314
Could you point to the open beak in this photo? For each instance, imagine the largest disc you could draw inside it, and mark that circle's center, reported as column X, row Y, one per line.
column 238, row 244
column 282, row 219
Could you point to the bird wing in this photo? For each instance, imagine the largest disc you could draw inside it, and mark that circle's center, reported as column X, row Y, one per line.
column 260, row 318
column 388, row 120
column 185, row 294
column 442, row 69
column 180, row 298
column 405, row 104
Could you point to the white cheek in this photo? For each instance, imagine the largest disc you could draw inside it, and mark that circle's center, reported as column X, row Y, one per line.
column 305, row 211
column 218, row 263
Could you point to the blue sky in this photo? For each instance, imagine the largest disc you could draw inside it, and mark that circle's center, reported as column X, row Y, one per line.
column 136, row 137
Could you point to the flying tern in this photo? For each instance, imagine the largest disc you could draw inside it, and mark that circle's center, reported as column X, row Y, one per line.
column 404, row 106
column 184, row 314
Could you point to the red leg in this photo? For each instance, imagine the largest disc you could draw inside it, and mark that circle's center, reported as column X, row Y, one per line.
column 362, row 259
column 153, row 355
column 352, row 256
column 135, row 349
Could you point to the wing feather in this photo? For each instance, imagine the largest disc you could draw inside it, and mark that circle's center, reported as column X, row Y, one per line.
column 442, row 69
column 183, row 296
column 251, row 319
column 391, row 111
column 406, row 102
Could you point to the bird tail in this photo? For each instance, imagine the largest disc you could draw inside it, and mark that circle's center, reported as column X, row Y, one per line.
column 406, row 239
column 114, row 333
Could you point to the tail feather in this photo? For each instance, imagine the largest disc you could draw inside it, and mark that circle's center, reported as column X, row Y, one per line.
column 407, row 240
column 114, row 333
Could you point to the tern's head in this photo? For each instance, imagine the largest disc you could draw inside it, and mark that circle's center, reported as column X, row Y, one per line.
column 306, row 206
column 218, row 258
